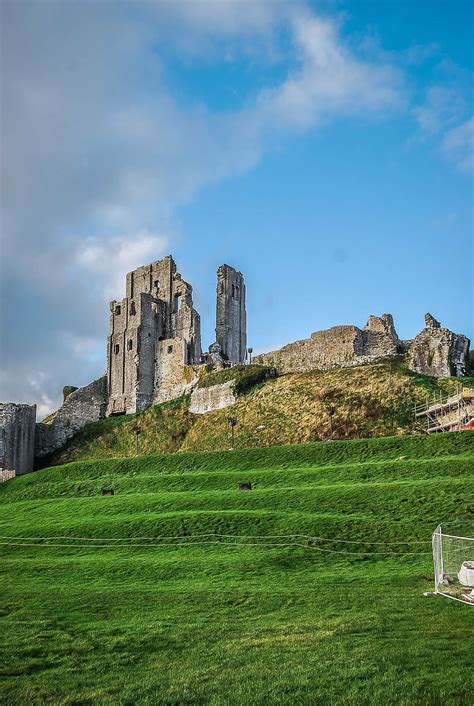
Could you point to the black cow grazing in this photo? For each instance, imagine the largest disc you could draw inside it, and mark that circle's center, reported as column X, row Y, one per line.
column 245, row 486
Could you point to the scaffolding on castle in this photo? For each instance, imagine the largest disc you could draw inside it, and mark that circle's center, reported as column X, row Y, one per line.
column 448, row 412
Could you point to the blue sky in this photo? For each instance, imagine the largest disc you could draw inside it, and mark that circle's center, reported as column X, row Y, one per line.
column 324, row 149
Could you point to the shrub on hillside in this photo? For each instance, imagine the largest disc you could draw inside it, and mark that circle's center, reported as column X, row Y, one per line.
column 245, row 377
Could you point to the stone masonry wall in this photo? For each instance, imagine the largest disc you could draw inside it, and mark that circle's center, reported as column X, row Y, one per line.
column 208, row 399
column 17, row 437
column 337, row 347
column 87, row 404
column 173, row 377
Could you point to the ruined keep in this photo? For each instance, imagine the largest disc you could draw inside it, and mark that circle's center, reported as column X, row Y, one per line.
column 154, row 343
column 231, row 316
column 17, row 438
column 154, row 331
column 153, row 349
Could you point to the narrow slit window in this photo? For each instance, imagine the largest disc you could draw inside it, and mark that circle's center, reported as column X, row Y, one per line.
column 170, row 349
column 130, row 344
column 118, row 310
column 133, row 309
column 116, row 348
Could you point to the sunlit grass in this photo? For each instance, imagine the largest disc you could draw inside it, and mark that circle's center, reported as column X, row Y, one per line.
column 221, row 624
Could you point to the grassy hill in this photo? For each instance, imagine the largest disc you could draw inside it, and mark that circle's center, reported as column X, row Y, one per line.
column 180, row 589
column 368, row 401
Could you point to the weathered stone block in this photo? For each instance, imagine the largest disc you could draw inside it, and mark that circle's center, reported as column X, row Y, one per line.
column 209, row 399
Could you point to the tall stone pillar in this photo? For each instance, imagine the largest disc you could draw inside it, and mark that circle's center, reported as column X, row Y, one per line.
column 231, row 315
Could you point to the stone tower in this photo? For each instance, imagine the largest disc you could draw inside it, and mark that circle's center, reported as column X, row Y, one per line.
column 17, row 437
column 153, row 330
column 231, row 316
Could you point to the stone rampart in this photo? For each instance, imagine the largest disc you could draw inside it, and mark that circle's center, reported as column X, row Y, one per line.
column 84, row 405
column 337, row 347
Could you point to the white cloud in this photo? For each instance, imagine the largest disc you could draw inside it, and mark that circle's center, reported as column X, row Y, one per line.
column 109, row 260
column 330, row 80
column 443, row 105
column 458, row 145
column 97, row 153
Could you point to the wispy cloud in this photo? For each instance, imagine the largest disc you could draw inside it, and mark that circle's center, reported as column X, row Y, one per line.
column 458, row 145
column 98, row 153
column 442, row 116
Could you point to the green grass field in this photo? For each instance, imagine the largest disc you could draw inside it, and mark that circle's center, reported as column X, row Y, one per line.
column 235, row 621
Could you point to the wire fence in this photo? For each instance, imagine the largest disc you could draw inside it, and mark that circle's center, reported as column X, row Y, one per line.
column 229, row 540
column 453, row 560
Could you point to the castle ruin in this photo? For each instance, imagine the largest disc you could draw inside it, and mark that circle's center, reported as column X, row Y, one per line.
column 155, row 332
column 154, row 355
column 434, row 351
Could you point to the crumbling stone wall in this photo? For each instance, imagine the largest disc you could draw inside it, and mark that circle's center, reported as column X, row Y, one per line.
column 84, row 405
column 337, row 347
column 380, row 337
column 158, row 306
column 438, row 351
column 231, row 314
column 208, row 399
column 17, row 438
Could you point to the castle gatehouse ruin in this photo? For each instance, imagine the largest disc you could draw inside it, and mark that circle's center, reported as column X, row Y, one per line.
column 154, row 354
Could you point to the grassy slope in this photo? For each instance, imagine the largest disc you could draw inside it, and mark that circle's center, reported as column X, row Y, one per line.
column 373, row 400
column 249, row 624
